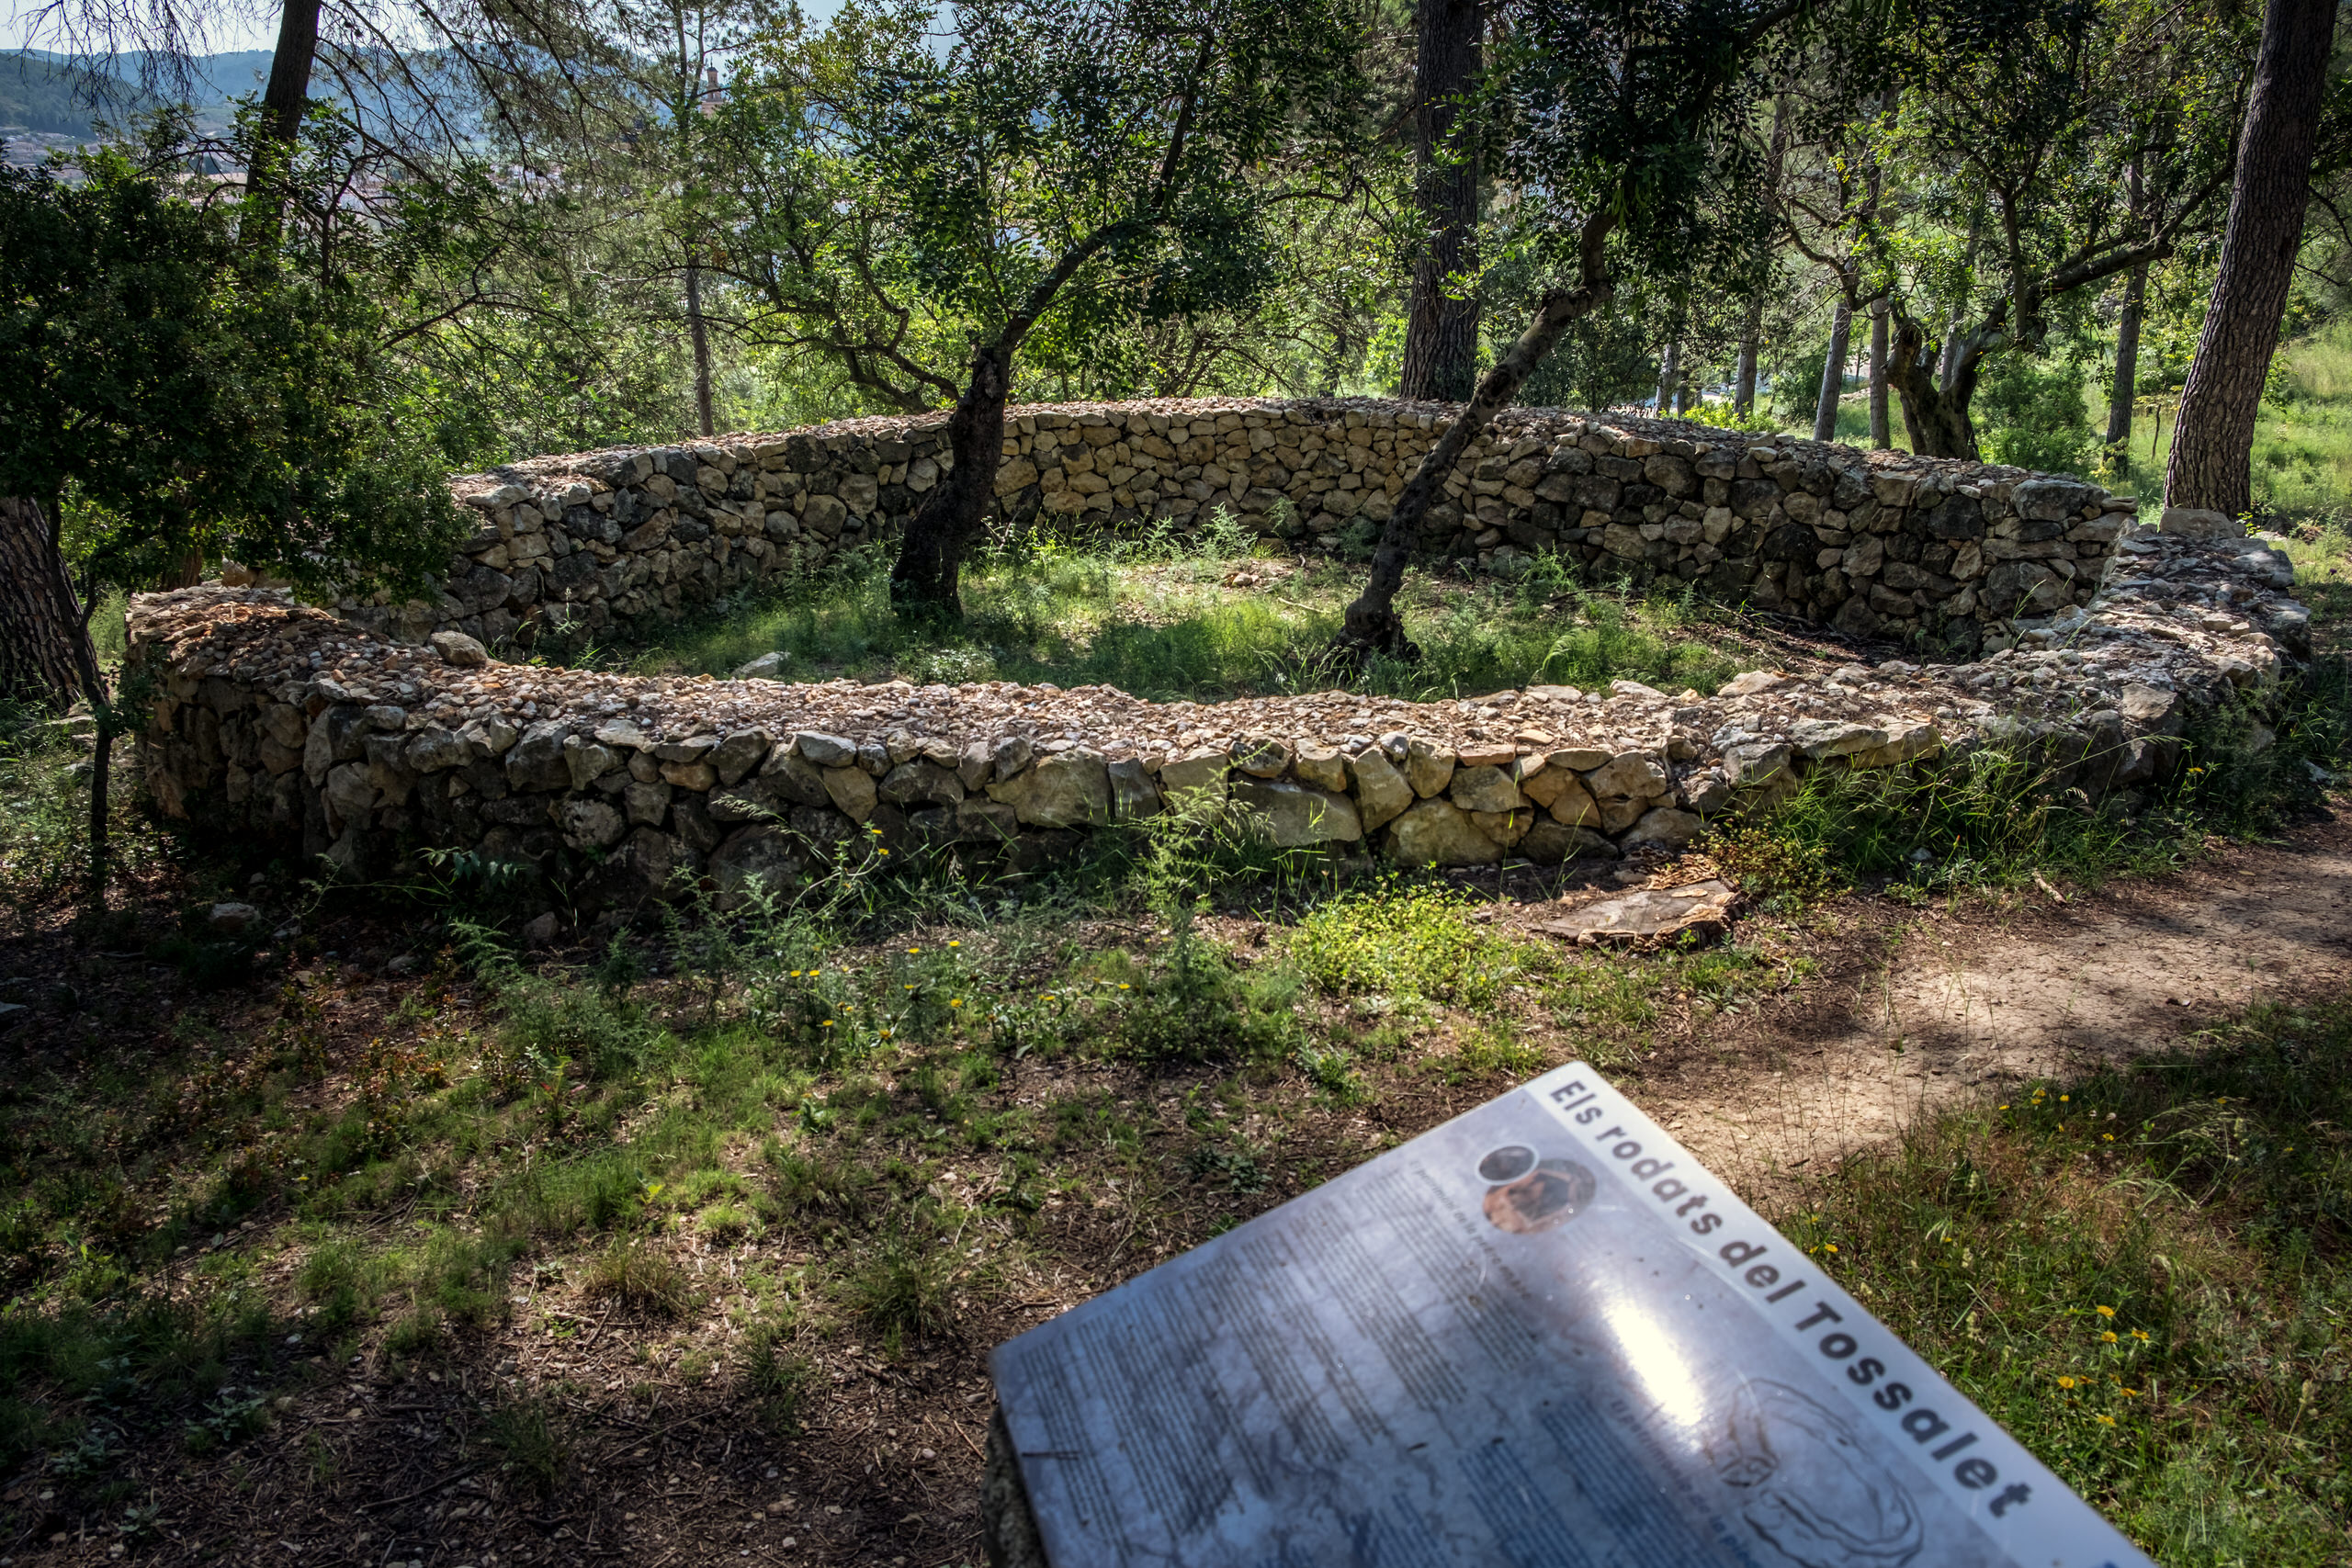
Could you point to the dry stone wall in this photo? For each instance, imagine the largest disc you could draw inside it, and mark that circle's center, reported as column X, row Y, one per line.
column 1943, row 554
column 293, row 730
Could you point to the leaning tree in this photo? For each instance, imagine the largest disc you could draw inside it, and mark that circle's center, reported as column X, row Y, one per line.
column 935, row 200
column 1630, row 146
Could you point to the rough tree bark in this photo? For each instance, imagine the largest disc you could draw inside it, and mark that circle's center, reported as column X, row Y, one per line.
column 1441, row 333
column 38, row 635
column 288, row 89
column 1935, row 417
column 2126, row 342
column 1881, row 435
column 1743, row 378
column 1670, row 377
column 698, row 331
column 945, row 526
column 2127, row 362
column 46, row 655
column 1833, row 372
column 1373, row 625
column 1751, row 331
column 2212, row 438
column 1960, row 301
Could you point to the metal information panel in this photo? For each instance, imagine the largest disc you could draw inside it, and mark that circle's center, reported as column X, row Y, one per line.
column 1541, row 1334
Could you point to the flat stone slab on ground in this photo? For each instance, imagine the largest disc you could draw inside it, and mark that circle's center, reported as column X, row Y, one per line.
column 1650, row 915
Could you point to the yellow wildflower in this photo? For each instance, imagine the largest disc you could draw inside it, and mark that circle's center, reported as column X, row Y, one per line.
column 2104, row 1310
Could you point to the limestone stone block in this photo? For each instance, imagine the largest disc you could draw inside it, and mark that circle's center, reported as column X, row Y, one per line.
column 1664, row 826
column 1134, row 796
column 1072, row 790
column 587, row 760
column 700, row 777
column 1548, row 843
column 1194, row 774
column 1484, row 788
column 1752, row 763
column 1381, row 792
column 1261, row 756
column 430, row 751
column 1505, row 827
column 1437, row 832
column 1292, row 816
column 646, row 803
column 793, row 778
column 591, row 824
column 1908, row 740
column 1572, row 804
column 1429, row 767
column 851, row 790
column 1319, row 766
column 825, row 750
column 740, row 753
column 458, row 650
column 1817, row 739
column 1629, row 775
column 921, row 782
column 757, row 859
column 536, row 761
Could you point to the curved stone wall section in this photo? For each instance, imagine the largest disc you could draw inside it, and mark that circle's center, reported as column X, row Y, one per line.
column 293, row 729
column 1944, row 555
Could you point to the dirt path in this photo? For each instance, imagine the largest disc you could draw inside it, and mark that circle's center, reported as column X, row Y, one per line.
column 1921, row 1010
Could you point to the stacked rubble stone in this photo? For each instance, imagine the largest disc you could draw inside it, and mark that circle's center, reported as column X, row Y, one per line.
column 288, row 727
column 1939, row 554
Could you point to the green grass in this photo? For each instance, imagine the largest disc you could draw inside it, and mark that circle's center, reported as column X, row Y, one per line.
column 1158, row 618
column 2144, row 1275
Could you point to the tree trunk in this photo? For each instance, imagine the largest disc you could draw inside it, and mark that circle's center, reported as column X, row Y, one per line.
column 1743, row 380
column 45, row 650
column 1668, row 378
column 288, row 90
column 1373, row 625
column 1959, row 302
column 1751, row 331
column 1936, row 419
column 1441, row 333
column 1833, row 374
column 39, row 656
column 2127, row 364
column 1882, row 436
column 2212, row 436
column 925, row 579
column 700, row 335
column 1682, row 389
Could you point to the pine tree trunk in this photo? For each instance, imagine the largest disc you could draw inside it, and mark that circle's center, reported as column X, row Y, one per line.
column 926, row 579
column 46, row 657
column 700, row 335
column 39, row 638
column 2127, row 364
column 1743, row 380
column 1441, row 333
column 1668, row 378
column 1881, row 434
column 1751, row 331
column 288, row 91
column 1833, row 374
column 2212, row 438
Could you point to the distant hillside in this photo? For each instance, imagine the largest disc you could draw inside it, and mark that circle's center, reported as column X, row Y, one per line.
column 40, row 91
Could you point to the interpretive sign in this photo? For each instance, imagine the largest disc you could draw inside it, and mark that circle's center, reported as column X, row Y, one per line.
column 1541, row 1334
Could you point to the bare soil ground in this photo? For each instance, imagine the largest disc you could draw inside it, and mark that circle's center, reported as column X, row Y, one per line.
column 1916, row 1009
